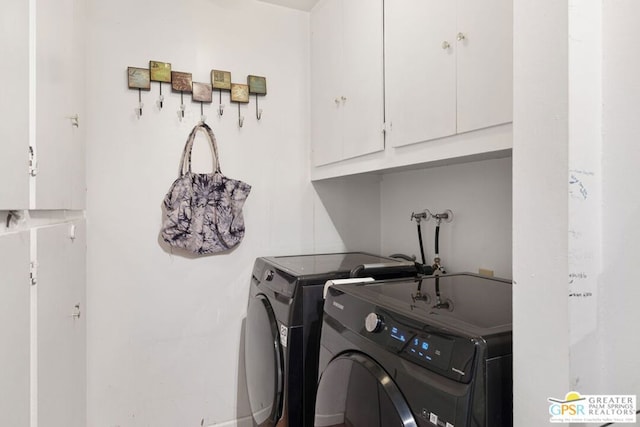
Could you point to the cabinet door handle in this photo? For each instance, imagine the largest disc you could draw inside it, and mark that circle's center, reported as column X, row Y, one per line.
column 75, row 120
column 337, row 101
column 343, row 98
column 76, row 311
column 445, row 45
column 461, row 37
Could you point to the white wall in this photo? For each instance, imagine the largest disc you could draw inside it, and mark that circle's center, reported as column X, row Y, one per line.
column 540, row 208
column 585, row 194
column 163, row 330
column 575, row 117
column 479, row 194
column 618, row 291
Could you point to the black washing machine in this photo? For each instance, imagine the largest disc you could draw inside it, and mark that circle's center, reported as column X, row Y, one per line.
column 394, row 354
column 282, row 336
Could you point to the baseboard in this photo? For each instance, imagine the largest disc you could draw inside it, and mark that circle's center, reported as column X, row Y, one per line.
column 240, row 422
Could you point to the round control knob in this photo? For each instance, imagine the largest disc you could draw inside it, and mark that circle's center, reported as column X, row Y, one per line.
column 268, row 276
column 373, row 322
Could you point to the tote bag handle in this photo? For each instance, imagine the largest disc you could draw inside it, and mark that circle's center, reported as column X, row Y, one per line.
column 185, row 162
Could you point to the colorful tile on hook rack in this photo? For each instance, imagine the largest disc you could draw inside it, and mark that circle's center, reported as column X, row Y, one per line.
column 239, row 93
column 257, row 85
column 160, row 71
column 201, row 92
column 138, row 78
column 181, row 82
column 221, row 80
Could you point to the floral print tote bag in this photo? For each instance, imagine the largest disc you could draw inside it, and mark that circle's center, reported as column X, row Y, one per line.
column 204, row 210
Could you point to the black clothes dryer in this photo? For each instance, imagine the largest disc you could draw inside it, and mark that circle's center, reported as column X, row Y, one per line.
column 391, row 357
column 282, row 336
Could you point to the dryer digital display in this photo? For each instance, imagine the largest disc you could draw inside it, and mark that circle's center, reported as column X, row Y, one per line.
column 431, row 349
column 398, row 334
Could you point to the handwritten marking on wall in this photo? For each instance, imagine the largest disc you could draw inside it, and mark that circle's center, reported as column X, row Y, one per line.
column 580, row 294
column 577, row 189
column 577, row 276
column 575, row 234
column 582, row 172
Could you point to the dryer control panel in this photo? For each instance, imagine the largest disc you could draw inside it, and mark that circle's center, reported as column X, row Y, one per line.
column 431, row 346
column 451, row 355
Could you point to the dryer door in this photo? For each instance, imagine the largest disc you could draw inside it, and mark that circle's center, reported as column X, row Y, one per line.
column 354, row 391
column 263, row 361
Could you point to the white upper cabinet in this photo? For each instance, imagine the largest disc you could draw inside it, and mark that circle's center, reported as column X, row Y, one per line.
column 14, row 105
column 420, row 70
column 326, row 57
column 59, row 83
column 448, row 67
column 485, row 63
column 41, row 99
column 347, row 96
column 447, row 74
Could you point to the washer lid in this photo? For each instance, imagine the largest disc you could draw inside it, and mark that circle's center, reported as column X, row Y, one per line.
column 305, row 265
column 476, row 306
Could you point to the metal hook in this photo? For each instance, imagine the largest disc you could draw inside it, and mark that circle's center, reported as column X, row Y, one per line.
column 203, row 118
column 220, row 104
column 258, row 110
column 140, row 104
column 181, row 109
column 161, row 98
column 240, row 117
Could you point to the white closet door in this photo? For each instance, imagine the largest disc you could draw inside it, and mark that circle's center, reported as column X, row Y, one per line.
column 14, row 329
column 485, row 63
column 14, row 105
column 420, row 75
column 326, row 66
column 61, row 326
column 362, row 78
column 58, row 86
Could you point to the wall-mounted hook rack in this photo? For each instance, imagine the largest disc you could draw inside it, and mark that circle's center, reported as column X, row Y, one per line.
column 181, row 82
column 160, row 72
column 202, row 94
column 221, row 81
column 240, row 94
column 139, row 78
column 257, row 86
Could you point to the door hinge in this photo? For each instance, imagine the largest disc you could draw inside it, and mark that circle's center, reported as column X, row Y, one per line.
column 33, row 273
column 33, row 162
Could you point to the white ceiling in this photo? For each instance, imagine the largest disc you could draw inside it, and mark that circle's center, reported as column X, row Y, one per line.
column 294, row 4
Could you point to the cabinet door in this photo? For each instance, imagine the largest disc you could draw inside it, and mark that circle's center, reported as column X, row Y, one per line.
column 326, row 53
column 14, row 329
column 420, row 75
column 362, row 78
column 59, row 83
column 61, row 326
column 14, row 105
column 485, row 63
